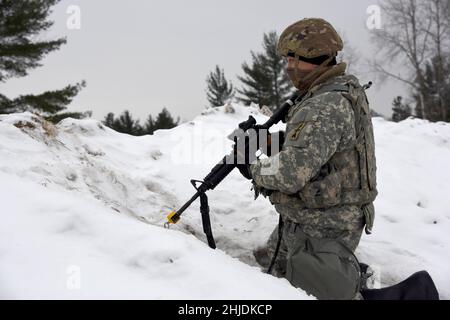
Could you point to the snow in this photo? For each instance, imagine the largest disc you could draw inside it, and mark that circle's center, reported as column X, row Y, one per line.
column 83, row 209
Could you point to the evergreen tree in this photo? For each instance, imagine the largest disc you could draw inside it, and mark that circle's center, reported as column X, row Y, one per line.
column 400, row 111
column 114, row 123
column 109, row 120
column 164, row 120
column 149, row 126
column 219, row 90
column 63, row 115
column 281, row 86
column 256, row 83
column 48, row 104
column 433, row 93
column 265, row 80
column 124, row 124
column 22, row 50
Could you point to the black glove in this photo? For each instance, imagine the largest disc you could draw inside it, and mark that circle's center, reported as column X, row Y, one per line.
column 261, row 191
column 242, row 157
column 244, row 169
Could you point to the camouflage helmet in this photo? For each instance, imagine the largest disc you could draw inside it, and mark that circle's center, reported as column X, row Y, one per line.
column 310, row 38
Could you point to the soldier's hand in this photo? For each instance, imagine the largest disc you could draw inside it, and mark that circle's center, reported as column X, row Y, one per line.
column 244, row 169
column 243, row 158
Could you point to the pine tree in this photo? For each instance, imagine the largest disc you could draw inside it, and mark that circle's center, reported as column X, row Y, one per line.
column 400, row 110
column 164, row 120
column 124, row 124
column 109, row 120
column 219, row 91
column 265, row 80
column 114, row 123
column 22, row 50
column 281, row 86
column 256, row 83
column 149, row 126
column 47, row 104
column 63, row 115
column 433, row 94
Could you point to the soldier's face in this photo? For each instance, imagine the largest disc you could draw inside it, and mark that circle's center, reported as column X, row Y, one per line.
column 299, row 72
column 294, row 63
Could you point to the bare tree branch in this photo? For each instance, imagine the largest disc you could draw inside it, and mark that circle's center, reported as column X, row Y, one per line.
column 382, row 70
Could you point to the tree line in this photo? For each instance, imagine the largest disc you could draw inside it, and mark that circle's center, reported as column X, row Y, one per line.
column 21, row 51
column 414, row 39
column 419, row 46
column 125, row 123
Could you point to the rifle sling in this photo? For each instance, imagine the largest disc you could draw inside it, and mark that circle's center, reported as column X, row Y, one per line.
column 206, row 221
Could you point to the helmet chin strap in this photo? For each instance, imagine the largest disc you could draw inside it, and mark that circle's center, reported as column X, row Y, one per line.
column 305, row 81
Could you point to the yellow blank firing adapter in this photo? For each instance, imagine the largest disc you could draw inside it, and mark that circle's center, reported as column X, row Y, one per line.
column 173, row 217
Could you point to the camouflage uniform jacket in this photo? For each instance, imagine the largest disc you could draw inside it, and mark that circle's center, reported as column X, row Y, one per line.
column 320, row 128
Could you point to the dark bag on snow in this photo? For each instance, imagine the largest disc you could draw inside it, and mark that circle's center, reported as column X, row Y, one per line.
column 419, row 286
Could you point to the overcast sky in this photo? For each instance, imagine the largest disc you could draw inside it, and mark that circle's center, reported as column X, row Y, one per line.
column 144, row 55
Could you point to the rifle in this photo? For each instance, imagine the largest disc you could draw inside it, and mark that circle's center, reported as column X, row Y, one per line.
column 224, row 168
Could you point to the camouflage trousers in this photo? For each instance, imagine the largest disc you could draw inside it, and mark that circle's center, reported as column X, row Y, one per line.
column 350, row 238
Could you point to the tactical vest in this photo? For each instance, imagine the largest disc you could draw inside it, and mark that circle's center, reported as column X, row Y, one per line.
column 349, row 177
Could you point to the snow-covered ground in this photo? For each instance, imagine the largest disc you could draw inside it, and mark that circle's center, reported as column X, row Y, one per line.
column 83, row 208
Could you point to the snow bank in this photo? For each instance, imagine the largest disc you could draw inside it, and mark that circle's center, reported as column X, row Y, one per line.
column 82, row 214
column 413, row 208
column 83, row 210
